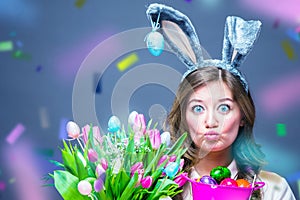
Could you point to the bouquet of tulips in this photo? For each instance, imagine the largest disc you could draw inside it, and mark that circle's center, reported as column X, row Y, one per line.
column 136, row 164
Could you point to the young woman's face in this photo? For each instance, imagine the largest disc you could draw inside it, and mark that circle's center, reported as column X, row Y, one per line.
column 213, row 117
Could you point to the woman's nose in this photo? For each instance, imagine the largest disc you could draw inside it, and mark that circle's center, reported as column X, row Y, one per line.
column 211, row 120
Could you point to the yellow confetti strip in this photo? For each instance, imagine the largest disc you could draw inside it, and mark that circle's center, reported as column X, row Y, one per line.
column 288, row 49
column 80, row 3
column 127, row 62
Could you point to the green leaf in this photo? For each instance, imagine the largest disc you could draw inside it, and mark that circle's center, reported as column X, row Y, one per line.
column 177, row 144
column 66, row 185
column 129, row 190
column 81, row 164
column 69, row 161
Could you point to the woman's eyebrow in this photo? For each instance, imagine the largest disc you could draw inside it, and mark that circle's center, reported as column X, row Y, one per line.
column 196, row 100
column 226, row 99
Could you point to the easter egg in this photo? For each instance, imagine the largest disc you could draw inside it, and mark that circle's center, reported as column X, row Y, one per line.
column 219, row 173
column 114, row 124
column 243, row 183
column 208, row 180
column 73, row 129
column 229, row 182
column 155, row 43
column 84, row 187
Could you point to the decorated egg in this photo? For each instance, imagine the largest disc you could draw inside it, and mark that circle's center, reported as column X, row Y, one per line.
column 243, row 183
column 114, row 124
column 219, row 173
column 155, row 43
column 208, row 180
column 229, row 182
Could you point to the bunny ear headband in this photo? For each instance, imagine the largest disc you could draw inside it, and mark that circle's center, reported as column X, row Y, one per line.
column 179, row 33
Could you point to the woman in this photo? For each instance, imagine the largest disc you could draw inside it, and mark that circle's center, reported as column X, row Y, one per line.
column 213, row 107
column 213, row 103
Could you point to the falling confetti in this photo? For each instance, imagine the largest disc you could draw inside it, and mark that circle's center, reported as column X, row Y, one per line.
column 18, row 54
column 276, row 23
column 15, row 133
column 6, row 46
column 80, row 3
column 12, row 180
column 281, row 130
column 44, row 118
column 127, row 62
column 38, row 68
column 2, row 186
column 288, row 49
column 293, row 35
column 44, row 152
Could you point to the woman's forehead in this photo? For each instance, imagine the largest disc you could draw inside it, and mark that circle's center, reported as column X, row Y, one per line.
column 212, row 90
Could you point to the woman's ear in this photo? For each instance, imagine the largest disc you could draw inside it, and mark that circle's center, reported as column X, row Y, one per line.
column 242, row 122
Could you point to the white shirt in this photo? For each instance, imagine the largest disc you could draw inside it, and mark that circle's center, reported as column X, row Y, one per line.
column 276, row 187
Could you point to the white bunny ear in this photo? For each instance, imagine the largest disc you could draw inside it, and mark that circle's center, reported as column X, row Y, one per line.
column 178, row 32
column 239, row 38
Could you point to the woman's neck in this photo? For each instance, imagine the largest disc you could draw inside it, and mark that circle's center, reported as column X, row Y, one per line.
column 213, row 159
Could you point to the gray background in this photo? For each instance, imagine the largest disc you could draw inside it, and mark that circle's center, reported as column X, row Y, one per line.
column 58, row 36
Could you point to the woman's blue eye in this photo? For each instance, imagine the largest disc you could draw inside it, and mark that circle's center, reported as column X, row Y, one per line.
column 224, row 108
column 198, row 109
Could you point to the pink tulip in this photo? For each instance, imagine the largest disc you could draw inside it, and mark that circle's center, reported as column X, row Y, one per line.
column 180, row 180
column 137, row 167
column 92, row 155
column 162, row 159
column 139, row 123
column 172, row 158
column 96, row 134
column 104, row 163
column 85, row 132
column 146, row 182
column 181, row 164
column 154, row 136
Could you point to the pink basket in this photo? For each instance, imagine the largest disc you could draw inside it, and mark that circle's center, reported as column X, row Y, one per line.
column 203, row 191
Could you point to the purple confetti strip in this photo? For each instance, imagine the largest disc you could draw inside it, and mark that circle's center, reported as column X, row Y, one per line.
column 15, row 133
column 279, row 96
column 2, row 186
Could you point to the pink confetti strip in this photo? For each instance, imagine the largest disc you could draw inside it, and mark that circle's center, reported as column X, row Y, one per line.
column 15, row 133
column 2, row 186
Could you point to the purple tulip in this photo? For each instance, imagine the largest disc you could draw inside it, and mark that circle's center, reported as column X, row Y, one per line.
column 180, row 180
column 146, row 182
column 98, row 185
column 99, row 170
column 154, row 136
column 137, row 167
column 162, row 159
column 92, row 155
column 104, row 163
